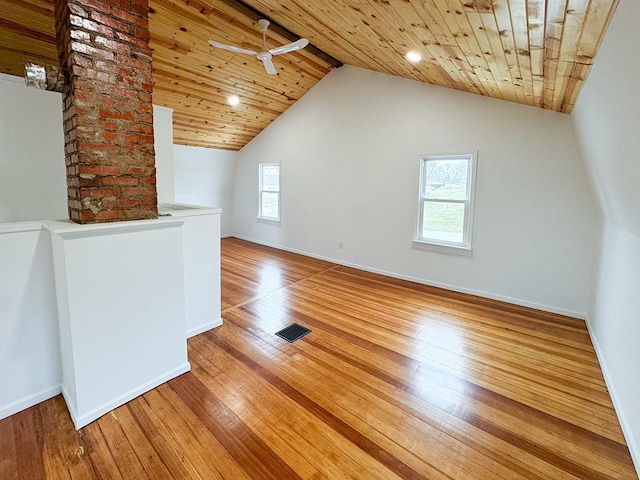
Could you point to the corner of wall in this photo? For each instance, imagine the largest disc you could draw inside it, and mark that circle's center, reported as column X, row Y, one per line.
column 632, row 443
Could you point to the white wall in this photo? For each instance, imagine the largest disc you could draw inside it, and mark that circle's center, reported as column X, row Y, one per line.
column 205, row 176
column 30, row 369
column 350, row 152
column 163, row 145
column 607, row 118
column 33, row 183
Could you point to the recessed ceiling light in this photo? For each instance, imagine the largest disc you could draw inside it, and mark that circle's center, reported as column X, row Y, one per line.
column 413, row 57
column 233, row 100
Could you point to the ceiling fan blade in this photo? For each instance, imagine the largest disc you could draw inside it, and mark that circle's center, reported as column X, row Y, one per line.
column 231, row 48
column 269, row 67
column 290, row 47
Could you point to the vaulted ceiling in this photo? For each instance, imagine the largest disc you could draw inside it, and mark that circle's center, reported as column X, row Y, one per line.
column 533, row 52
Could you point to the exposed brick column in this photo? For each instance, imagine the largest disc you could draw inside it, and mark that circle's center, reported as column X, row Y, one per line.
column 108, row 115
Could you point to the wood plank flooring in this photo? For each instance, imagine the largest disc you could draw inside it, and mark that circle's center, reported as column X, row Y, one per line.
column 395, row 381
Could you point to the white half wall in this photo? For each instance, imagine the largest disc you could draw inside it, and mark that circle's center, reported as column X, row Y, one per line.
column 350, row 151
column 33, row 184
column 30, row 368
column 205, row 176
column 120, row 298
column 606, row 119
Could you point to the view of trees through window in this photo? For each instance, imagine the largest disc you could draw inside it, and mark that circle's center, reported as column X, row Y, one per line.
column 444, row 198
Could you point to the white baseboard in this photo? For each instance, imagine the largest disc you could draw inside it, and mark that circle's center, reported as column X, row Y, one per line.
column 632, row 443
column 86, row 418
column 454, row 288
column 203, row 328
column 29, row 401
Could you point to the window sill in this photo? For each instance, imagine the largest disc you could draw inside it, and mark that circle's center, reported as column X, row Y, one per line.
column 268, row 221
column 459, row 251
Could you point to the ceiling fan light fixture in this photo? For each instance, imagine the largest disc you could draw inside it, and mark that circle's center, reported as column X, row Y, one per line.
column 264, row 54
column 413, row 57
column 233, row 100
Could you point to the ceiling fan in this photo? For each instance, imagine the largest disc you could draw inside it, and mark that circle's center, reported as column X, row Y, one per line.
column 264, row 55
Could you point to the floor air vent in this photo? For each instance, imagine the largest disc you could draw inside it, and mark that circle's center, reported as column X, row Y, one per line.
column 293, row 332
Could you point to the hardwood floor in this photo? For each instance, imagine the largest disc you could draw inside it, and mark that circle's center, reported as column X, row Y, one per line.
column 396, row 380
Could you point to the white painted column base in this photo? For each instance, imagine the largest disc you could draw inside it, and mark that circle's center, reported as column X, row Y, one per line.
column 121, row 310
column 201, row 237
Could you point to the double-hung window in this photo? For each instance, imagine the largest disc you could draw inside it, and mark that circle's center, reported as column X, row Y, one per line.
column 269, row 194
column 445, row 203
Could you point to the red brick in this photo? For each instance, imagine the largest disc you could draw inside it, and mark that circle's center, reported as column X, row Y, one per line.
column 148, row 139
column 146, row 151
column 145, row 171
column 142, row 33
column 97, row 147
column 117, row 115
column 98, row 192
column 108, row 124
column 109, row 215
column 139, row 42
column 127, row 181
column 144, row 97
column 124, row 93
column 99, row 170
column 85, row 182
column 127, row 202
column 125, row 72
column 139, row 65
column 140, row 9
column 147, row 191
column 109, row 21
column 140, row 128
column 130, row 17
column 95, row 4
column 123, row 4
column 108, row 203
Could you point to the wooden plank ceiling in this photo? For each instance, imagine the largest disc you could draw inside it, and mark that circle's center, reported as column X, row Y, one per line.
column 533, row 52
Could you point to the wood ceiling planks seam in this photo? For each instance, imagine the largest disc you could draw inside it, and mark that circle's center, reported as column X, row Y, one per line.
column 533, row 52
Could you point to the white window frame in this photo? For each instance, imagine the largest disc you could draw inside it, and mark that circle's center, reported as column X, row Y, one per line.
column 261, row 218
column 438, row 245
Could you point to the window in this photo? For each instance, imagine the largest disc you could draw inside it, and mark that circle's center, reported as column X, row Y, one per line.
column 445, row 203
column 269, row 208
